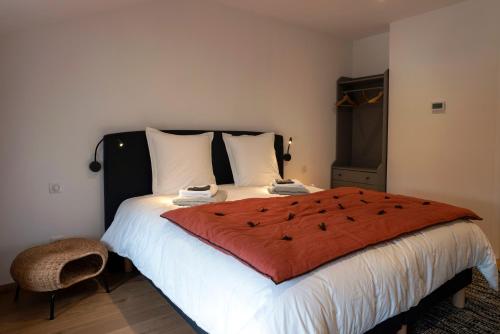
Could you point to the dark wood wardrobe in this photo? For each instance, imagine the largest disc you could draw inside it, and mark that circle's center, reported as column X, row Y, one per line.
column 361, row 154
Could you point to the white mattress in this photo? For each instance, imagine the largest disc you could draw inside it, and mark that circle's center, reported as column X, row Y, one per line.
column 349, row 295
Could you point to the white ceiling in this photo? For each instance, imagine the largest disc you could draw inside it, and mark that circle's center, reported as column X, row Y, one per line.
column 345, row 18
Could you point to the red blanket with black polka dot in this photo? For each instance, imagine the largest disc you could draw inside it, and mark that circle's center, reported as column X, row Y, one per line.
column 284, row 237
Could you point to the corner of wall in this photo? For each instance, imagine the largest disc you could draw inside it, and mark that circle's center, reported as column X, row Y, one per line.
column 370, row 55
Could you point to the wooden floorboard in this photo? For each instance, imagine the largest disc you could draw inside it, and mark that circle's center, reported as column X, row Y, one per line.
column 132, row 307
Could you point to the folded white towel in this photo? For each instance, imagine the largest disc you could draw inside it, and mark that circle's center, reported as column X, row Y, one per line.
column 185, row 192
column 220, row 196
column 289, row 191
column 287, row 188
column 298, row 187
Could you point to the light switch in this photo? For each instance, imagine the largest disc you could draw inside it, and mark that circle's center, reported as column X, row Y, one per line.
column 438, row 107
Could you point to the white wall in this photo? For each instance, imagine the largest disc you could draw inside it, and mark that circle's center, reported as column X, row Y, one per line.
column 452, row 53
column 183, row 64
column 370, row 55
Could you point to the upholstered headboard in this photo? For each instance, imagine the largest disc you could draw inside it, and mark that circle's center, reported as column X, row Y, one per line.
column 127, row 167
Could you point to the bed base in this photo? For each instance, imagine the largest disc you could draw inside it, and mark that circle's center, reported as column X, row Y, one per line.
column 399, row 324
column 128, row 266
column 403, row 329
column 458, row 299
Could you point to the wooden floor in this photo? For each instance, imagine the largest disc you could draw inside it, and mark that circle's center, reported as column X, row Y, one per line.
column 133, row 307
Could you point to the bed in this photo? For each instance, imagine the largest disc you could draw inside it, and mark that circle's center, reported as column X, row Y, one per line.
column 377, row 289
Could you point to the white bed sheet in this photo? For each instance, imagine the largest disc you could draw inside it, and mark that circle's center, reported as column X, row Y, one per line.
column 349, row 295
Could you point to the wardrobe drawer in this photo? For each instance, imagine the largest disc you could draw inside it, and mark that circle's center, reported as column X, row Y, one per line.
column 354, row 176
column 337, row 184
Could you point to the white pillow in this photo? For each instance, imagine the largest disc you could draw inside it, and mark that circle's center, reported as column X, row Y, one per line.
column 252, row 158
column 178, row 161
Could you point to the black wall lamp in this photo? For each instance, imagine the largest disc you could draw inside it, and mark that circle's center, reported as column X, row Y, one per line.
column 287, row 156
column 95, row 165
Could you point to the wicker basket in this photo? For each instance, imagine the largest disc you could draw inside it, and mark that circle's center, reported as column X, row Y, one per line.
column 58, row 264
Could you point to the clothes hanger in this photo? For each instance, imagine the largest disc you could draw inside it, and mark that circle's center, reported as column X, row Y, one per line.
column 365, row 97
column 345, row 98
column 375, row 99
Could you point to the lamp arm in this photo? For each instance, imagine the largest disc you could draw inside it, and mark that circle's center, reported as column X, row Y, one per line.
column 96, row 147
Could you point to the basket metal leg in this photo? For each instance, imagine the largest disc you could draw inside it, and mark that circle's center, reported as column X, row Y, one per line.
column 16, row 296
column 51, row 301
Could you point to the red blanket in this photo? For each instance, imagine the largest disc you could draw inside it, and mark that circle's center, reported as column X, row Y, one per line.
column 285, row 237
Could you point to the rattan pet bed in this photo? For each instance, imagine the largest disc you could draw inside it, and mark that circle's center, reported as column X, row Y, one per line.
column 58, row 265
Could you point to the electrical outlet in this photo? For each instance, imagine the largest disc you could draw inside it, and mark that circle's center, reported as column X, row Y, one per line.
column 55, row 188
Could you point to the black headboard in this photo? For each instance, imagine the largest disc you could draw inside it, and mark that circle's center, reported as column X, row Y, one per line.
column 127, row 168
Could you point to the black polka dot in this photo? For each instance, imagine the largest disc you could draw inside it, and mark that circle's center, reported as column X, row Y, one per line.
column 341, row 207
column 322, row 226
column 361, row 192
column 263, row 210
column 322, row 211
column 291, row 215
column 286, row 237
column 387, row 197
column 336, row 197
column 350, row 218
column 364, row 201
column 398, row 206
column 381, row 212
column 294, row 203
column 318, row 201
column 252, row 224
column 219, row 214
column 426, row 203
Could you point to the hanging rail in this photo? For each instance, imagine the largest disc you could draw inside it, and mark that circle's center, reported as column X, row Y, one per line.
column 362, row 89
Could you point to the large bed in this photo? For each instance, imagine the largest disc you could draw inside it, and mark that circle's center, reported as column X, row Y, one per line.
column 377, row 286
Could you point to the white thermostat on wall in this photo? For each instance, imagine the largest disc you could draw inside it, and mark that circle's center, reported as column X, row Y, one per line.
column 438, row 107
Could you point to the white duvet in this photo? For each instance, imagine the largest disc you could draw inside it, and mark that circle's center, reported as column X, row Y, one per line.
column 349, row 295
